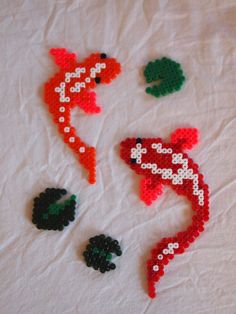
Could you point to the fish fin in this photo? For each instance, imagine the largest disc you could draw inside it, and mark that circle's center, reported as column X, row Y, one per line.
column 186, row 137
column 63, row 58
column 87, row 102
column 150, row 190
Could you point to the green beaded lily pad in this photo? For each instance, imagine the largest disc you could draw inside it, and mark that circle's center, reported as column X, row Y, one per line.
column 99, row 253
column 49, row 214
column 167, row 75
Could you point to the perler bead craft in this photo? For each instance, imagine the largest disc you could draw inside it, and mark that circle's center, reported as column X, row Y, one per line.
column 98, row 253
column 48, row 214
column 167, row 74
column 165, row 163
column 71, row 87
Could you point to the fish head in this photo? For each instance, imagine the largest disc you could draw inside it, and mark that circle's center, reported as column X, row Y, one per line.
column 141, row 155
column 102, row 69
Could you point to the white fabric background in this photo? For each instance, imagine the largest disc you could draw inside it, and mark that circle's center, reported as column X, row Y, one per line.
column 43, row 272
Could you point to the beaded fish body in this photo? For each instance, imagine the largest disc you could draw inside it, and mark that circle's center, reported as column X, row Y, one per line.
column 71, row 87
column 161, row 164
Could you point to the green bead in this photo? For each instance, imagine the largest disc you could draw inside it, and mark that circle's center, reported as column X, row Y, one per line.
column 73, row 197
column 109, row 257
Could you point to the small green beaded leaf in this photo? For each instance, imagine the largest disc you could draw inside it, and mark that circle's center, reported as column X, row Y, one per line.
column 99, row 253
column 51, row 214
column 167, row 74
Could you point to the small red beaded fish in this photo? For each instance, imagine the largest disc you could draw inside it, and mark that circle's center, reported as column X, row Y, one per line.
column 161, row 164
column 71, row 87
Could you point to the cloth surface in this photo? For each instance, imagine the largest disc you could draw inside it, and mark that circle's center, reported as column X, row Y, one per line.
column 43, row 272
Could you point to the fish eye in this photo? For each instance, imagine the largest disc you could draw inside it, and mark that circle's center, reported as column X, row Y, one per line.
column 103, row 55
column 133, row 160
column 97, row 80
column 138, row 140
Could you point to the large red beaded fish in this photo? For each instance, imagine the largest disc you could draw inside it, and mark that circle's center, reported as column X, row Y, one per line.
column 161, row 164
column 71, row 87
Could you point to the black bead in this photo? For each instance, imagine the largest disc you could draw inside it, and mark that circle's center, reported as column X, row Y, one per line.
column 103, row 55
column 112, row 266
column 138, row 140
column 97, row 80
column 133, row 160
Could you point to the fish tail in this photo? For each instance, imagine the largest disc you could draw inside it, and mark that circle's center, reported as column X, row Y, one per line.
column 167, row 248
column 86, row 154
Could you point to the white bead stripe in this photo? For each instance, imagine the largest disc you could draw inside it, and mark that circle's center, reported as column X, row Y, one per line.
column 77, row 74
column 167, row 173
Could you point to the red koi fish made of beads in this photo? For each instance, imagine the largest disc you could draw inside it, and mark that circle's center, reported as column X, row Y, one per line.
column 71, row 87
column 166, row 163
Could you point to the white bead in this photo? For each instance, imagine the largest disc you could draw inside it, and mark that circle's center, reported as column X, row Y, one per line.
column 170, row 245
column 82, row 149
column 57, row 89
column 82, row 70
column 165, row 251
column 155, row 268
column 68, row 74
column 62, row 109
column 66, row 129
column 71, row 139
column 87, row 80
column 93, row 74
column 176, row 245
column 160, row 257
column 139, row 145
column 67, row 80
column 61, row 119
column 103, row 65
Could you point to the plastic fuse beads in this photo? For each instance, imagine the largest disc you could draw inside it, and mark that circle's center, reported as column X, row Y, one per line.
column 166, row 163
column 71, row 87
column 99, row 253
column 167, row 74
column 49, row 214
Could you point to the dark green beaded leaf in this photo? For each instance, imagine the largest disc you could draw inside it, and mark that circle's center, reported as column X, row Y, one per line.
column 50, row 215
column 98, row 253
column 167, row 74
